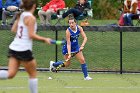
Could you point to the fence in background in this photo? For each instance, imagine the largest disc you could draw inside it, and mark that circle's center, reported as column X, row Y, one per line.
column 109, row 48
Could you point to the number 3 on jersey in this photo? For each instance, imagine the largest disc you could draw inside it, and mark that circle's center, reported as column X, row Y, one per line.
column 20, row 32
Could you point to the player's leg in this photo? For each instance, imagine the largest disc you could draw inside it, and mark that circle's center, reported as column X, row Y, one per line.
column 65, row 64
column 12, row 69
column 57, row 65
column 81, row 59
column 30, row 67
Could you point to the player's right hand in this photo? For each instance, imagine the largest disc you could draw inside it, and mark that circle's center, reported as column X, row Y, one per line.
column 48, row 40
column 69, row 56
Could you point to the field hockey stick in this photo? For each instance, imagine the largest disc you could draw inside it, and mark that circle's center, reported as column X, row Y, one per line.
column 58, row 67
column 58, row 42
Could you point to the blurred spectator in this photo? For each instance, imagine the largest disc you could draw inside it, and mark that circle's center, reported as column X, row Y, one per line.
column 77, row 10
column 130, row 10
column 10, row 8
column 50, row 8
column 0, row 9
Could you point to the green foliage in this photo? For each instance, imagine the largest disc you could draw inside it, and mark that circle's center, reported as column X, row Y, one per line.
column 69, row 3
column 43, row 1
column 105, row 9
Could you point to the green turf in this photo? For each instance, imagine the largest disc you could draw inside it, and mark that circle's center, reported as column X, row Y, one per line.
column 74, row 83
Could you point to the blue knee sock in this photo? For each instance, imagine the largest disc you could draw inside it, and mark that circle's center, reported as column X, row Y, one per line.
column 58, row 63
column 84, row 69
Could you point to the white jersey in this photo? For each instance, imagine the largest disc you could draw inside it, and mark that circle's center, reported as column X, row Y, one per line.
column 22, row 41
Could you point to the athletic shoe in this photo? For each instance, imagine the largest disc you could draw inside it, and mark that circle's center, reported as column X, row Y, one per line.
column 59, row 16
column 87, row 78
column 52, row 68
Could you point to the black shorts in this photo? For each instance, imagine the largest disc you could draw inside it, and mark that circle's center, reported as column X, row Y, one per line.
column 21, row 56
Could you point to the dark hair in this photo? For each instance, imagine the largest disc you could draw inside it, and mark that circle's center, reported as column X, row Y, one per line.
column 72, row 18
column 84, row 0
column 28, row 4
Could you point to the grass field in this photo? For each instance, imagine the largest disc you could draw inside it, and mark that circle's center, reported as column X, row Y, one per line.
column 102, row 52
column 72, row 82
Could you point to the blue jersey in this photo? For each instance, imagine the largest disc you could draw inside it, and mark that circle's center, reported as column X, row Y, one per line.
column 0, row 4
column 74, row 41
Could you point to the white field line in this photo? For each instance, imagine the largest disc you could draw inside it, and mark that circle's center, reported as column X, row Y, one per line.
column 67, row 87
column 77, row 87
